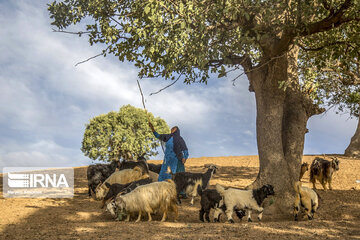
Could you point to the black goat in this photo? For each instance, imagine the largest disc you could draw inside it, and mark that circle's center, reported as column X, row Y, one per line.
column 141, row 162
column 98, row 173
column 155, row 167
column 115, row 189
column 210, row 198
column 188, row 182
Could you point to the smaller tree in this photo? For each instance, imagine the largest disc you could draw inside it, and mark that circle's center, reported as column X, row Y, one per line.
column 124, row 134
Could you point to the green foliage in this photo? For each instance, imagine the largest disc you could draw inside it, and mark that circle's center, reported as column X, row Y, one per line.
column 166, row 38
column 193, row 38
column 123, row 134
column 330, row 64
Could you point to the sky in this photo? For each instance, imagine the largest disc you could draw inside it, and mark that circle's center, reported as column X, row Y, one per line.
column 46, row 101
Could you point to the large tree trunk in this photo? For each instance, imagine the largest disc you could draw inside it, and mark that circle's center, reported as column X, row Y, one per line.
column 353, row 150
column 282, row 114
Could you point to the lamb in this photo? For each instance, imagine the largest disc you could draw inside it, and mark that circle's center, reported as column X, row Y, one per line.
column 304, row 168
column 210, row 198
column 322, row 170
column 188, row 182
column 244, row 199
column 121, row 177
column 307, row 198
column 147, row 199
column 116, row 188
column 98, row 173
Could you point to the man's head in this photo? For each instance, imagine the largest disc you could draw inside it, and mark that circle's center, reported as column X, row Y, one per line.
column 173, row 129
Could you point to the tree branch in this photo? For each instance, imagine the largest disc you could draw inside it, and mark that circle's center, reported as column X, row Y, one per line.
column 68, row 32
column 354, row 76
column 142, row 95
column 244, row 61
column 98, row 55
column 237, row 77
column 167, row 85
column 334, row 19
column 325, row 46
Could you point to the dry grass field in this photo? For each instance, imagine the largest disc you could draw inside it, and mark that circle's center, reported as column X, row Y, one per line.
column 81, row 218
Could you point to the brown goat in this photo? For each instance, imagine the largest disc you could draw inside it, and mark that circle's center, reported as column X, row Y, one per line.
column 304, row 168
column 322, row 170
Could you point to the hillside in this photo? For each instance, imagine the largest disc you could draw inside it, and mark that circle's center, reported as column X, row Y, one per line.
column 81, row 217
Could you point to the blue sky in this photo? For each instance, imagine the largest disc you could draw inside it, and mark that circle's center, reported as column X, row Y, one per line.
column 46, row 101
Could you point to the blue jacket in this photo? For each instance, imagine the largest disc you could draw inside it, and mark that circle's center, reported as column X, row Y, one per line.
column 175, row 151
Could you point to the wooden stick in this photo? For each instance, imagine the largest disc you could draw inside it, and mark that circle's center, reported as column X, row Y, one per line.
column 142, row 99
column 142, row 95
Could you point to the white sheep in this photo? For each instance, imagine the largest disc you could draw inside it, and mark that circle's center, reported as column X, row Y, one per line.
column 236, row 199
column 307, row 198
column 148, row 199
column 121, row 177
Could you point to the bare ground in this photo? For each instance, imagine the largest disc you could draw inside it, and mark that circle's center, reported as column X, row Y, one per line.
column 80, row 217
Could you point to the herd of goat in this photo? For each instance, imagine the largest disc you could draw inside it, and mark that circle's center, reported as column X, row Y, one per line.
column 130, row 188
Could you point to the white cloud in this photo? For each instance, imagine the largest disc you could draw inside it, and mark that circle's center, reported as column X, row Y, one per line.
column 39, row 154
column 249, row 133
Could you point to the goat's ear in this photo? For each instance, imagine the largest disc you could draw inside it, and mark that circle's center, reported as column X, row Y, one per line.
column 107, row 185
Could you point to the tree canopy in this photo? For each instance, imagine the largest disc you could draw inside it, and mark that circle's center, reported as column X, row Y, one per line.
column 123, row 134
column 193, row 38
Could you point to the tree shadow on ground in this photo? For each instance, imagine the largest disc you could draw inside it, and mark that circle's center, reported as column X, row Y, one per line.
column 229, row 174
column 81, row 218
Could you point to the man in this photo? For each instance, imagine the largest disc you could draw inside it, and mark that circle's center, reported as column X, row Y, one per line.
column 176, row 152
